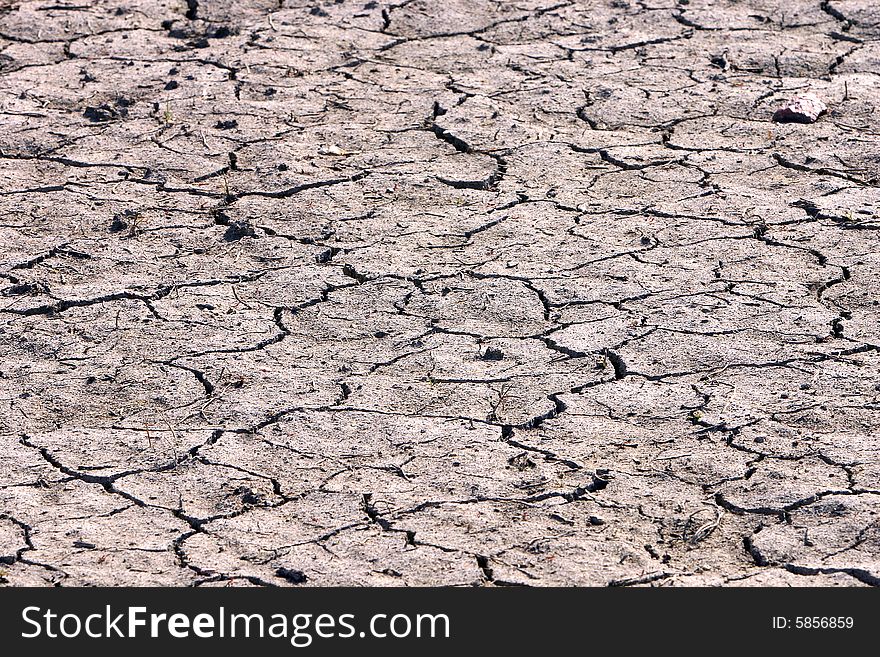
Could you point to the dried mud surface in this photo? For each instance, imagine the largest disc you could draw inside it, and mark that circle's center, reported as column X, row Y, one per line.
column 438, row 293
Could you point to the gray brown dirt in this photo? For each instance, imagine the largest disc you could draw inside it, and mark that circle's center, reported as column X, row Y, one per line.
column 447, row 293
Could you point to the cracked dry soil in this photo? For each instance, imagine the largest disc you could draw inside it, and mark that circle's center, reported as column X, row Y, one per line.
column 438, row 293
